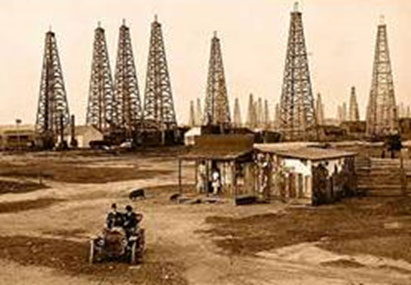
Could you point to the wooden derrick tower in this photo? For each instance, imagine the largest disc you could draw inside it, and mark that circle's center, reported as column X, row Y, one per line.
column 127, row 112
column 382, row 117
column 260, row 113
column 192, row 116
column 199, row 113
column 100, row 100
column 267, row 121
column 297, row 114
column 344, row 111
column 217, row 111
column 53, row 111
column 237, row 114
column 159, row 110
column 277, row 119
column 252, row 113
column 319, row 110
column 353, row 112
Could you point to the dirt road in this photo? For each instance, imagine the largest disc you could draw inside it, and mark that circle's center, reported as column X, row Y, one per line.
column 47, row 243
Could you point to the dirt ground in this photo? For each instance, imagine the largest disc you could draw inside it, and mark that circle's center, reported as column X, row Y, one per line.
column 44, row 233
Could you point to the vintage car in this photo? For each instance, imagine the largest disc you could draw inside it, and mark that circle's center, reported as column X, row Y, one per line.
column 113, row 244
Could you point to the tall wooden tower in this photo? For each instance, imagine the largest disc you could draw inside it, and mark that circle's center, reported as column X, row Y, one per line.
column 217, row 111
column 297, row 112
column 127, row 112
column 159, row 112
column 100, row 100
column 382, row 117
column 53, row 111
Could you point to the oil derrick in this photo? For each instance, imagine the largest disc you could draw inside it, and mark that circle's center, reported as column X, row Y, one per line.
column 266, row 115
column 127, row 112
column 319, row 110
column 252, row 114
column 237, row 114
column 401, row 110
column 340, row 116
column 199, row 115
column 217, row 111
column 353, row 113
column 260, row 114
column 277, row 118
column 100, row 100
column 191, row 120
column 53, row 112
column 159, row 110
column 297, row 103
column 344, row 111
column 382, row 115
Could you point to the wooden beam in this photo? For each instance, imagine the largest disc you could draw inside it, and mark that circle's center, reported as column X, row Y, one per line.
column 180, row 188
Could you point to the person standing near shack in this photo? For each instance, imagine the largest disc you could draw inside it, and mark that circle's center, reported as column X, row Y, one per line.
column 202, row 178
column 215, row 181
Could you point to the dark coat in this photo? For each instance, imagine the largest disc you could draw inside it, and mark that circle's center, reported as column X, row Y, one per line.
column 114, row 219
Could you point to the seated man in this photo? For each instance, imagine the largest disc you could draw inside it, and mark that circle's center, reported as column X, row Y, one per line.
column 131, row 221
column 114, row 218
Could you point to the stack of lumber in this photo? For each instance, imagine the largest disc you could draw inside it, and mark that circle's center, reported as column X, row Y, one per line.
column 382, row 177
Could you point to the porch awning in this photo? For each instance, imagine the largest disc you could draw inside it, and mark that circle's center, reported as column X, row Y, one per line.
column 220, row 147
column 217, row 154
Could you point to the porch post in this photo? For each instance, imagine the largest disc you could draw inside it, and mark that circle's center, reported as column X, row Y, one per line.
column 207, row 177
column 234, row 179
column 196, row 174
column 224, row 174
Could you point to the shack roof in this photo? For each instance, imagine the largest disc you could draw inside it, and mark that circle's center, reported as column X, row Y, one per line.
column 10, row 129
column 304, row 152
column 220, row 147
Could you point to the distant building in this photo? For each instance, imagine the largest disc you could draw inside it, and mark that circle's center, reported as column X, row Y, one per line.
column 17, row 137
column 189, row 136
column 84, row 135
column 331, row 122
column 357, row 128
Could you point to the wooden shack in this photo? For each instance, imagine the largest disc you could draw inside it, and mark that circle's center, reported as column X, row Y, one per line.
column 309, row 175
column 231, row 155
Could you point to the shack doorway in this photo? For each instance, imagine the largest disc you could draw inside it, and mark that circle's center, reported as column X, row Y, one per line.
column 320, row 180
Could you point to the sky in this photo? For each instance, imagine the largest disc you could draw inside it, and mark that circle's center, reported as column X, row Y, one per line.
column 340, row 38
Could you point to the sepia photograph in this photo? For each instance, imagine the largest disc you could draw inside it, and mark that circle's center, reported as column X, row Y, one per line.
column 205, row 142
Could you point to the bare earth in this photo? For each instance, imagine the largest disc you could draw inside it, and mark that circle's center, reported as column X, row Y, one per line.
column 44, row 231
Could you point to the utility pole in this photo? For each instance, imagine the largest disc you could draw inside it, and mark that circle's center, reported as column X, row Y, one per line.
column 18, row 122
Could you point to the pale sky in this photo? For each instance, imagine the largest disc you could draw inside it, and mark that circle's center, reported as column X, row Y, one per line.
column 340, row 35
